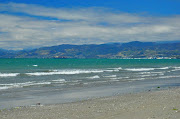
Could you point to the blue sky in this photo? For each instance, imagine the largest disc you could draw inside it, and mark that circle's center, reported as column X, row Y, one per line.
column 31, row 23
column 155, row 7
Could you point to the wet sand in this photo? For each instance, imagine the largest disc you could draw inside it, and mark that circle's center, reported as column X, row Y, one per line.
column 163, row 104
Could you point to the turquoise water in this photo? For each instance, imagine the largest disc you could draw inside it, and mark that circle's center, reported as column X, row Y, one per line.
column 27, row 81
column 9, row 65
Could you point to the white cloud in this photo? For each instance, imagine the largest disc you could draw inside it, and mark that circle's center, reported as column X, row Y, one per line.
column 41, row 26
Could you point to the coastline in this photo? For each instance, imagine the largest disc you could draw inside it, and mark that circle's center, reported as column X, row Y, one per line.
column 160, row 104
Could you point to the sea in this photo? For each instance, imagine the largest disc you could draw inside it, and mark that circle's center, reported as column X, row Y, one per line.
column 28, row 82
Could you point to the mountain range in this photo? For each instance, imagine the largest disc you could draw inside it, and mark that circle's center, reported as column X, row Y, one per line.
column 133, row 49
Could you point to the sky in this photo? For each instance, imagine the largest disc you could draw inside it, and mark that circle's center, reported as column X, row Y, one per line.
column 27, row 24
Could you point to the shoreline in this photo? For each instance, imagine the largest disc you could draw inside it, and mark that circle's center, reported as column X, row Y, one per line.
column 152, row 104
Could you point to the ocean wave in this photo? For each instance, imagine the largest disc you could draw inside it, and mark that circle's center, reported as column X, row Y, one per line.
column 108, row 70
column 35, row 65
column 67, row 72
column 94, row 77
column 147, row 69
column 163, row 68
column 20, row 85
column 137, row 79
column 139, row 69
column 110, row 76
column 101, row 82
column 59, row 80
column 8, row 74
column 176, row 69
column 170, row 76
column 113, row 80
column 4, row 87
column 144, row 73
column 125, row 77
column 113, row 69
column 147, row 75
column 156, row 72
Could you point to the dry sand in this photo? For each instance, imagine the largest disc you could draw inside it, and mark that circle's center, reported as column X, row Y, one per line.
column 164, row 104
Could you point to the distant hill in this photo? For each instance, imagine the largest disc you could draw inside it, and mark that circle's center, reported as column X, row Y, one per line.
column 133, row 49
column 7, row 53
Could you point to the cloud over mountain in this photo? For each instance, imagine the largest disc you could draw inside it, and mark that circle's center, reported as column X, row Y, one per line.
column 28, row 25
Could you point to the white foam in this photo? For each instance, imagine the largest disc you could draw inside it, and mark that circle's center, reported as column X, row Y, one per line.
column 19, row 85
column 101, row 82
column 169, row 76
column 94, row 77
column 8, row 74
column 42, row 83
column 7, row 84
column 113, row 69
column 59, row 80
column 30, row 84
column 144, row 73
column 119, row 68
column 176, row 69
column 67, row 72
column 163, row 68
column 110, row 76
column 35, row 65
column 3, row 88
column 75, row 81
column 109, row 70
column 137, row 79
column 161, row 74
column 115, row 79
column 157, row 73
column 85, row 83
column 139, row 69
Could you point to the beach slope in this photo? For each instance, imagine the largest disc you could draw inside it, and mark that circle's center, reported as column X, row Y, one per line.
column 163, row 104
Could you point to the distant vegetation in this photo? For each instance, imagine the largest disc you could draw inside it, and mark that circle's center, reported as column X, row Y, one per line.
column 114, row 50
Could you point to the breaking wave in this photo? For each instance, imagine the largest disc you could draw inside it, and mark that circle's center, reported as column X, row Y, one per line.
column 67, row 72
column 139, row 69
column 8, row 74
column 94, row 77
column 19, row 85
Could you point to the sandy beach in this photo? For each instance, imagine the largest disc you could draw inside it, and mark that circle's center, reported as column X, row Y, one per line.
column 162, row 104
